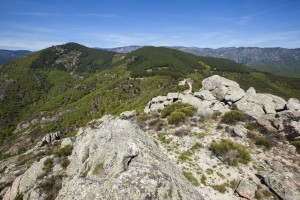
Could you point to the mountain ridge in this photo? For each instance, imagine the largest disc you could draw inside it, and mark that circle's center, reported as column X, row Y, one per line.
column 8, row 55
column 275, row 60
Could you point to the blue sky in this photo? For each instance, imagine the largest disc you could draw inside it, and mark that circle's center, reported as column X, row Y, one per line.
column 36, row 24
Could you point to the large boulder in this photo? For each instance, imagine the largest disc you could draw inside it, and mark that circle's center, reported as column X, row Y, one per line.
column 116, row 160
column 223, row 89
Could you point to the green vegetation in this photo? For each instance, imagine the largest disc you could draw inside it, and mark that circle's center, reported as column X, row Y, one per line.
column 203, row 179
column 187, row 109
column 189, row 176
column 296, row 144
column 98, row 170
column 268, row 143
column 232, row 117
column 150, row 61
column 4, row 156
column 230, row 152
column 220, row 188
column 176, row 117
column 65, row 151
column 45, row 84
column 209, row 171
column 184, row 156
column 177, row 112
column 88, row 59
column 48, row 166
column 216, row 114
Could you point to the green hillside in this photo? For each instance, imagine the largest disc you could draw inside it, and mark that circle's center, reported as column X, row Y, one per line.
column 62, row 88
column 150, row 61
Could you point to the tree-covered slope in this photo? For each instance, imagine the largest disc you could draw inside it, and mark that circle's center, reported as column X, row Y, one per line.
column 63, row 87
column 149, row 61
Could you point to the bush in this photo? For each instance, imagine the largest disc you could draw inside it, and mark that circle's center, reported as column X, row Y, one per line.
column 216, row 114
column 188, row 111
column 171, row 108
column 232, row 117
column 221, row 188
column 65, row 151
column 262, row 141
column 185, row 155
column 65, row 162
column 230, row 152
column 176, row 117
column 189, row 176
column 297, row 145
column 48, row 165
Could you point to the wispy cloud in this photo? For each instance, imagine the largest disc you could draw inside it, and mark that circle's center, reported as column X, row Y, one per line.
column 101, row 15
column 34, row 13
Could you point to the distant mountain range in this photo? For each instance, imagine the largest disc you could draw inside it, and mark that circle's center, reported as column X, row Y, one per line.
column 279, row 61
column 8, row 55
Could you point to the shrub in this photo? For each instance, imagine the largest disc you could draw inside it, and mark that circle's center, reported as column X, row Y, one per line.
column 230, row 152
column 65, row 151
column 161, row 136
column 221, row 188
column 176, row 117
column 185, row 155
column 189, row 176
column 209, row 171
column 171, row 108
column 196, row 146
column 215, row 115
column 297, row 145
column 265, row 142
column 65, row 162
column 254, row 126
column 203, row 180
column 48, row 165
column 232, row 117
column 188, row 111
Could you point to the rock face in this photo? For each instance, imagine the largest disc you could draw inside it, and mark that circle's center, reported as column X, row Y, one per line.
column 283, row 186
column 25, row 182
column 118, row 161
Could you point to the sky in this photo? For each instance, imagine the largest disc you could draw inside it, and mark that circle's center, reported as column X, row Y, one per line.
column 37, row 24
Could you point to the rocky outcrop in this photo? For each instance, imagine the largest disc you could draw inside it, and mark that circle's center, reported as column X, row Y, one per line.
column 51, row 137
column 25, row 182
column 283, row 186
column 113, row 159
column 116, row 160
column 223, row 89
